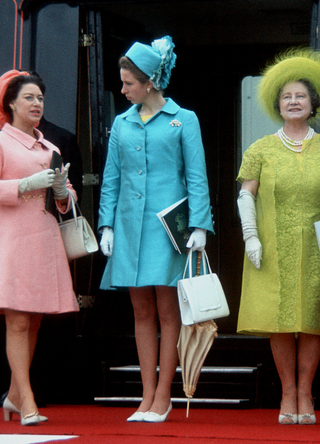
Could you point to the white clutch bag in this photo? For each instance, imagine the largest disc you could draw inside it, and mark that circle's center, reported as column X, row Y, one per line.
column 201, row 298
column 77, row 235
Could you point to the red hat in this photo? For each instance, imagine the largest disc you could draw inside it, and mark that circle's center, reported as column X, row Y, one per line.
column 4, row 82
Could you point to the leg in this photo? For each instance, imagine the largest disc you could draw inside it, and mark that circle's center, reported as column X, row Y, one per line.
column 283, row 346
column 35, row 323
column 22, row 331
column 169, row 317
column 308, row 359
column 146, row 333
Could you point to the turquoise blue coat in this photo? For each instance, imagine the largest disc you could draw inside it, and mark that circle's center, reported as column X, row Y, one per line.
column 149, row 167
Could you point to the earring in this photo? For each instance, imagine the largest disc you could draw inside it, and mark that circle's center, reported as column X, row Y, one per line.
column 148, row 89
column 13, row 107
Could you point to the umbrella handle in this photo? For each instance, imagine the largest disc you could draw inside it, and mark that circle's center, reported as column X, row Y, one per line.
column 198, row 263
column 188, row 404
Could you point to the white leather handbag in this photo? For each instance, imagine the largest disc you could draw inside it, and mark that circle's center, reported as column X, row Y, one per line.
column 201, row 297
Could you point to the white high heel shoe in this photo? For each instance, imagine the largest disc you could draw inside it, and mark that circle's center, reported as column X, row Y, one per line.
column 307, row 418
column 137, row 417
column 155, row 417
column 311, row 419
column 288, row 419
column 31, row 419
column 9, row 409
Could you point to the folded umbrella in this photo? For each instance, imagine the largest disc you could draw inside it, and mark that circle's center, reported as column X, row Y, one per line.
column 193, row 346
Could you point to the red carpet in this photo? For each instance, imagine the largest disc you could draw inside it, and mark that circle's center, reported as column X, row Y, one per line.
column 103, row 425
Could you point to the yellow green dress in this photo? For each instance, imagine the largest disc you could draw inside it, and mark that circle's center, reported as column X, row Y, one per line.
column 284, row 295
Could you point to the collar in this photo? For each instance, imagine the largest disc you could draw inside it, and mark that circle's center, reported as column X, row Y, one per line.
column 132, row 114
column 23, row 138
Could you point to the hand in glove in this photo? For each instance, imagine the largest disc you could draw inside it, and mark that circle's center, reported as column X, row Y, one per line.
column 59, row 186
column 197, row 240
column 106, row 243
column 43, row 179
column 254, row 250
column 248, row 216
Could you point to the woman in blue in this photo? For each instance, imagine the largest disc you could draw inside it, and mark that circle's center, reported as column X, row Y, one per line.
column 155, row 158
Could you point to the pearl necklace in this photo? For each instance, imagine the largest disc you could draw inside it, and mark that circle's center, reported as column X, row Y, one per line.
column 289, row 143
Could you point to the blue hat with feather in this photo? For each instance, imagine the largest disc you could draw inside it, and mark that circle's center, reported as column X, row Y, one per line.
column 156, row 61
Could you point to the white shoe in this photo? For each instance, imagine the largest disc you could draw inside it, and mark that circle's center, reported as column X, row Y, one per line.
column 9, row 409
column 311, row 419
column 288, row 419
column 137, row 417
column 155, row 417
column 32, row 419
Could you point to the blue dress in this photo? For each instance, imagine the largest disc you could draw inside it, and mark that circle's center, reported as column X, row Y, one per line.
column 149, row 167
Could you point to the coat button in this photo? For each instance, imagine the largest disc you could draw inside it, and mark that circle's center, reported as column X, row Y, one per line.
column 139, row 196
column 138, row 148
column 140, row 172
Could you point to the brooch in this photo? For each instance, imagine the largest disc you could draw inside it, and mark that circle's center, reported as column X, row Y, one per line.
column 175, row 122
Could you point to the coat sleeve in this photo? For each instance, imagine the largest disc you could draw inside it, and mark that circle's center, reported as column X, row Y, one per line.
column 111, row 181
column 196, row 175
column 8, row 188
column 9, row 192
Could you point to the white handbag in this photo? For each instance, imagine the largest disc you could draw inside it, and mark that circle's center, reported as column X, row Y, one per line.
column 201, row 298
column 77, row 235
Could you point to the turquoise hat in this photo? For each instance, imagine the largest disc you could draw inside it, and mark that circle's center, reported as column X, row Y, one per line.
column 144, row 57
column 156, row 61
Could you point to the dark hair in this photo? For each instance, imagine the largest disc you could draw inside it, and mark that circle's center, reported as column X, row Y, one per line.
column 314, row 96
column 126, row 63
column 14, row 88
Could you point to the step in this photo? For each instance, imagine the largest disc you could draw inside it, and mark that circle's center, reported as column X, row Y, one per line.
column 128, row 399
column 134, row 371
column 205, row 369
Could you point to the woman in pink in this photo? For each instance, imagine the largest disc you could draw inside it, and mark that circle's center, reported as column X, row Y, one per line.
column 35, row 276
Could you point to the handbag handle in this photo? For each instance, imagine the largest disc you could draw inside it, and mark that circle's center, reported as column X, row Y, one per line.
column 74, row 207
column 205, row 264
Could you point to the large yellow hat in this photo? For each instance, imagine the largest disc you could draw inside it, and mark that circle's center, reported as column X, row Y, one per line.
column 290, row 66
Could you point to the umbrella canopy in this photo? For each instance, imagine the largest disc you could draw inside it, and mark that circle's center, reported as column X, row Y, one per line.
column 193, row 346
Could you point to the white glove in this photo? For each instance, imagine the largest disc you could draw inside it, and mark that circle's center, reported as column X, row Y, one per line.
column 106, row 243
column 43, row 179
column 197, row 240
column 59, row 186
column 248, row 216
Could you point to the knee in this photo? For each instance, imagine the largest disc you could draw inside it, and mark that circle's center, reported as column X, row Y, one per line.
column 145, row 313
column 18, row 323
column 169, row 318
column 169, row 314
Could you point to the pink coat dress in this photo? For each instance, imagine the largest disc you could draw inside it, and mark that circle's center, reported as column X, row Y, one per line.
column 34, row 269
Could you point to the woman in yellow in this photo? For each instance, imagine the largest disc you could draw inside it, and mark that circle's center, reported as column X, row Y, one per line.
column 278, row 204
